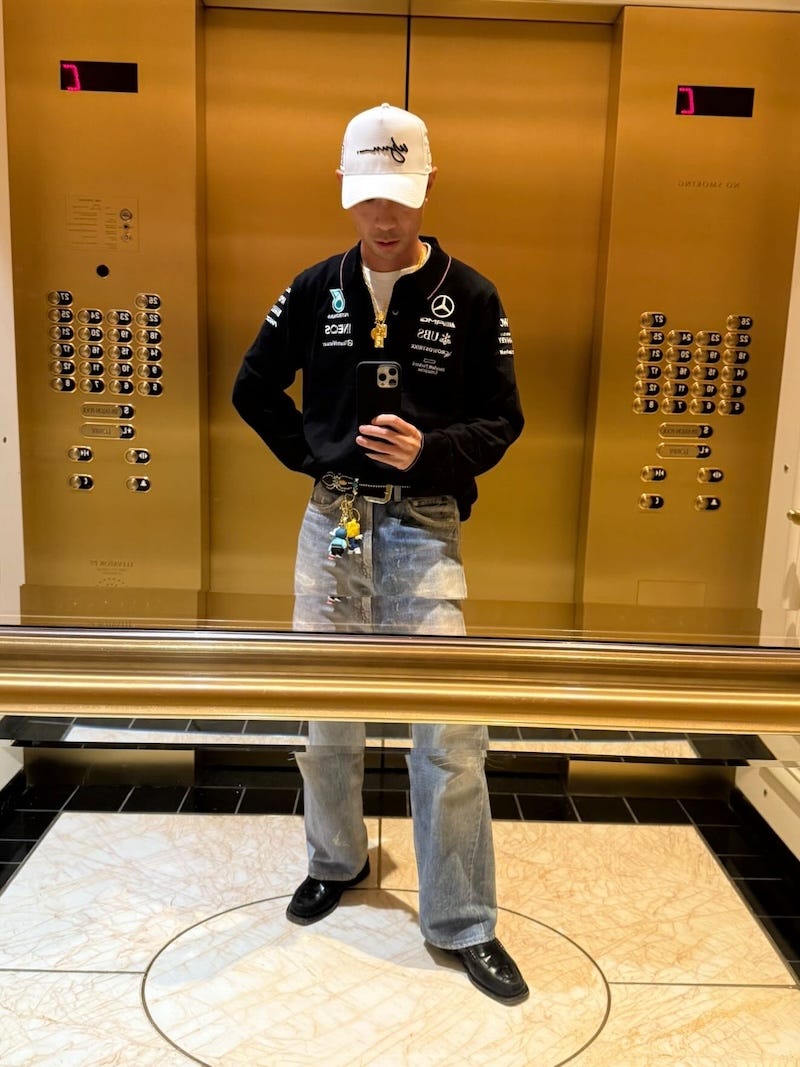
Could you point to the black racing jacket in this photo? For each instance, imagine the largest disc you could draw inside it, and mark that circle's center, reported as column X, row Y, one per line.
column 448, row 331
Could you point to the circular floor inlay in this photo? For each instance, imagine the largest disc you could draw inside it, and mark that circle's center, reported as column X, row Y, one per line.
column 246, row 988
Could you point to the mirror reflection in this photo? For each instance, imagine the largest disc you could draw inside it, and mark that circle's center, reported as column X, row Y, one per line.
column 596, row 185
column 191, row 219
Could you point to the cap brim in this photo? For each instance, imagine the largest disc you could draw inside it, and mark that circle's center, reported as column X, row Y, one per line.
column 406, row 189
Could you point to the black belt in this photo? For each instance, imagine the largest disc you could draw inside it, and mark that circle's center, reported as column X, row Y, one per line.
column 382, row 494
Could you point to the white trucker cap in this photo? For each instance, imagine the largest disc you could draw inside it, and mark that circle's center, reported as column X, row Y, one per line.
column 385, row 156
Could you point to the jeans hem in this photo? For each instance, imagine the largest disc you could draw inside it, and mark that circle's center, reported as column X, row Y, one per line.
column 465, row 942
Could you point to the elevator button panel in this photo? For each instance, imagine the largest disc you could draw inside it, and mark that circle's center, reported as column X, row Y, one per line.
column 109, row 363
column 715, row 367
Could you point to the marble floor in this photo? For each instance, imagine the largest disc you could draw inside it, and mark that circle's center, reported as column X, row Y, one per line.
column 159, row 938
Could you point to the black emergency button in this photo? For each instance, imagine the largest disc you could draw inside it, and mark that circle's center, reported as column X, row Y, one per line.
column 707, row 503
column 651, row 502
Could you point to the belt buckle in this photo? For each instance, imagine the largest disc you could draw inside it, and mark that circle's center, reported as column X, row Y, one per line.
column 388, row 491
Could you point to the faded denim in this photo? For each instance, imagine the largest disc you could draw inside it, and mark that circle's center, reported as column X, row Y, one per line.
column 408, row 579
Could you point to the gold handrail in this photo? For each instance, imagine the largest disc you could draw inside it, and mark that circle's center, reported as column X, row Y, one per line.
column 298, row 676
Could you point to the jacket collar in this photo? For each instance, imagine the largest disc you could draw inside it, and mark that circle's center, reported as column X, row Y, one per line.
column 428, row 279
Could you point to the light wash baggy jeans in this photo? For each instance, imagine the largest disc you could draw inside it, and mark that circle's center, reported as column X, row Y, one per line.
column 407, row 579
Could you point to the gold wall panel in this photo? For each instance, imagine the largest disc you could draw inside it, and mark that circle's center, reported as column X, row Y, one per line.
column 105, row 206
column 520, row 176
column 279, row 91
column 700, row 223
column 517, row 114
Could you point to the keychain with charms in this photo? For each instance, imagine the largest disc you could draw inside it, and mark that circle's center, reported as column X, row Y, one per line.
column 346, row 537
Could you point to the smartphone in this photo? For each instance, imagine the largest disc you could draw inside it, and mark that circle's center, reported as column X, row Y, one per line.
column 378, row 390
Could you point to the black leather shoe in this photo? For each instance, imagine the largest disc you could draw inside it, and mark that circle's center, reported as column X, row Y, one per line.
column 314, row 899
column 491, row 969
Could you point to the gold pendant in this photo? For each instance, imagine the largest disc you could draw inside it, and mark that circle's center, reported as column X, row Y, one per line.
column 378, row 333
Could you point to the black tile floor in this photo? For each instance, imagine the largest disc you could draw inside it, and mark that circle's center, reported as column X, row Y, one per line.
column 764, row 871
column 32, row 730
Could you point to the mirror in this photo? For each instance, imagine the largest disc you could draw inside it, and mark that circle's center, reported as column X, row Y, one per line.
column 560, row 185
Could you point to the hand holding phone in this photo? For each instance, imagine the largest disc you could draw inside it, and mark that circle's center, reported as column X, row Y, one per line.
column 387, row 438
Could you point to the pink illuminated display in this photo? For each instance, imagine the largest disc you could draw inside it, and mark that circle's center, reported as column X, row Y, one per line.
column 72, row 68
column 689, row 109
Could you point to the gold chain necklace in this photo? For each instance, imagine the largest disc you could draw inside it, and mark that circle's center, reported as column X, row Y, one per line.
column 380, row 329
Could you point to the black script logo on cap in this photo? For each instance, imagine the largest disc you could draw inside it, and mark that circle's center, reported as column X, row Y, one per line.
column 395, row 150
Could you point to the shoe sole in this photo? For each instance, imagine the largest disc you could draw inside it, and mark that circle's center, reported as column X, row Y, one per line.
column 307, row 920
column 517, row 998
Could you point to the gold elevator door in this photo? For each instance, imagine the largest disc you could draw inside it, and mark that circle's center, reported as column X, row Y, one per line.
column 520, row 152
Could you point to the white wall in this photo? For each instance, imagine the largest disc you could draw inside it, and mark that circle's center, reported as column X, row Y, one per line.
column 11, row 553
column 779, row 592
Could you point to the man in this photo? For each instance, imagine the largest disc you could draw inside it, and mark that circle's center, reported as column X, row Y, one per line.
column 397, row 323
